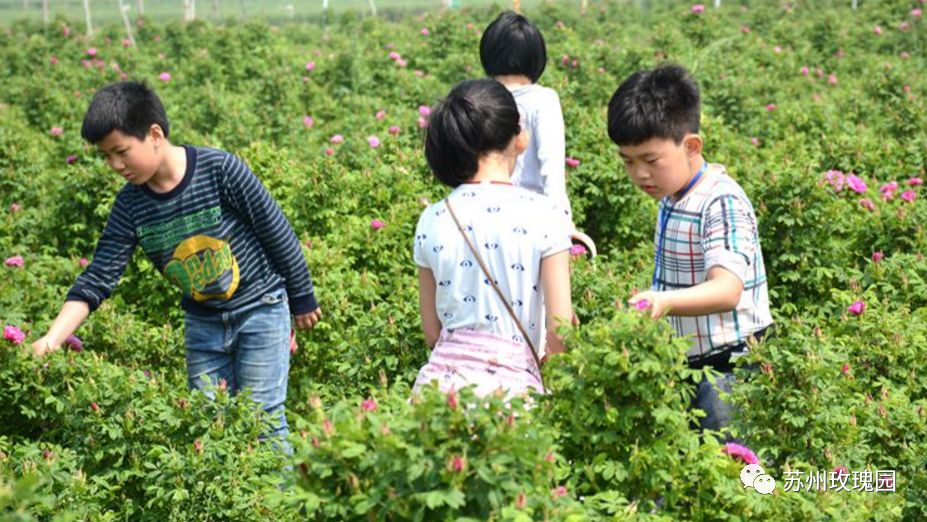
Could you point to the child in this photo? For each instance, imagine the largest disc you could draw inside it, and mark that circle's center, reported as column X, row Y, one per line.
column 209, row 225
column 485, row 323
column 512, row 51
column 709, row 275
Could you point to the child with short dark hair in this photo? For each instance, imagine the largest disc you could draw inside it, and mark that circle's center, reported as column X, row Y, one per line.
column 512, row 50
column 709, row 275
column 490, row 254
column 206, row 221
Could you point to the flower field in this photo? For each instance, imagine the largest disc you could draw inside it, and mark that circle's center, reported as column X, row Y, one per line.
column 817, row 110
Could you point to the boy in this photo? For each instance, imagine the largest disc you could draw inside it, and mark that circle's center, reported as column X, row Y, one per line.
column 709, row 275
column 211, row 227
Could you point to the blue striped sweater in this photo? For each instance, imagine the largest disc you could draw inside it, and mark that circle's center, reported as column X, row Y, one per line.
column 218, row 236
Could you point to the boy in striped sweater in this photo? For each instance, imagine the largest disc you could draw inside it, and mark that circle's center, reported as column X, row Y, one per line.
column 204, row 219
column 709, row 276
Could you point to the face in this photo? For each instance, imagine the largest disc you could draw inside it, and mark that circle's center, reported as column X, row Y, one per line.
column 661, row 167
column 134, row 159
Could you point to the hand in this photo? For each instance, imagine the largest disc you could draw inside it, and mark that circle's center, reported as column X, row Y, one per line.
column 44, row 346
column 656, row 302
column 308, row 320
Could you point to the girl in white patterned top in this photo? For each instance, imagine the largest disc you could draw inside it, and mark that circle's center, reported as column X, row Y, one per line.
column 472, row 143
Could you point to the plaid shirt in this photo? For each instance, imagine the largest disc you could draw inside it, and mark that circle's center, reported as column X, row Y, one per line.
column 713, row 225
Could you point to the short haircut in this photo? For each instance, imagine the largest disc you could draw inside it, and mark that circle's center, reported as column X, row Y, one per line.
column 662, row 103
column 129, row 107
column 513, row 45
column 476, row 117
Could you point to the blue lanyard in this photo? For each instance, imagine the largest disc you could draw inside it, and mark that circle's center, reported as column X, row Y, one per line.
column 665, row 214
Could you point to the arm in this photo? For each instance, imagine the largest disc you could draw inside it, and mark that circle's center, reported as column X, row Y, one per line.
column 250, row 199
column 551, row 144
column 555, row 281
column 719, row 293
column 729, row 238
column 71, row 316
column 427, row 289
column 96, row 283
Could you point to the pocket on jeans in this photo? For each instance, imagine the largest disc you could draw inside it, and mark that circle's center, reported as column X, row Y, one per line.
column 275, row 297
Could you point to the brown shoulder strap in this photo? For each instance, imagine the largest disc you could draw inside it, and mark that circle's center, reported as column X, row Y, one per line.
column 492, row 281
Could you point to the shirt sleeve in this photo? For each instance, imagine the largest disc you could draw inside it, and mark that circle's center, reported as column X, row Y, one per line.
column 421, row 237
column 555, row 237
column 551, row 146
column 112, row 254
column 260, row 212
column 729, row 235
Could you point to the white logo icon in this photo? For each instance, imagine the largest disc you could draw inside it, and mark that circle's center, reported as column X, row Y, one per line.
column 754, row 476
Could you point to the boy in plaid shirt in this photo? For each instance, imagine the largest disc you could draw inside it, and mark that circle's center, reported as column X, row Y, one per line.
column 708, row 276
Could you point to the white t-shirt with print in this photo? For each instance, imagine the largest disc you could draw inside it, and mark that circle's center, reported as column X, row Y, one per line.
column 513, row 229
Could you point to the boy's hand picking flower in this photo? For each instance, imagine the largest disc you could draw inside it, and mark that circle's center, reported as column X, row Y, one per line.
column 308, row 320
column 43, row 347
column 654, row 301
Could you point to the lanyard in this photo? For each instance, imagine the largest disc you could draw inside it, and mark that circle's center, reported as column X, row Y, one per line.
column 663, row 219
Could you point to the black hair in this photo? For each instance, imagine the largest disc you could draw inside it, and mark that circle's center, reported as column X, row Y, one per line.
column 513, row 45
column 662, row 103
column 129, row 107
column 476, row 117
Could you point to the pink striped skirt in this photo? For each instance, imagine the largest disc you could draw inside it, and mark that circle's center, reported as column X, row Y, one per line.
column 468, row 357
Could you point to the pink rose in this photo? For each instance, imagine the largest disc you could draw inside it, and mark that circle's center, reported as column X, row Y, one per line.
column 741, row 452
column 561, row 491
column 53, row 60
column 857, row 308
column 74, row 343
column 856, row 184
column 867, row 204
column 337, row 138
column 424, row 110
column 394, row 130
column 56, row 131
column 916, row 13
column 380, row 114
column 914, row 182
column 877, row 30
column 13, row 334
column 15, row 207
column 744, row 29
column 373, row 141
column 577, row 250
column 91, row 51
column 370, row 404
column 572, row 162
column 832, row 79
column 402, row 62
column 877, row 257
column 888, row 190
column 777, row 49
column 329, row 151
column 805, row 71
column 643, row 304
column 165, row 76
column 393, row 55
column 422, row 123
column 308, row 121
column 771, row 107
column 698, row 8
column 457, row 463
column 904, row 26
column 909, row 195
column 755, row 142
column 83, row 262
column 310, row 66
column 15, row 262
column 71, row 159
column 425, row 31
column 376, row 224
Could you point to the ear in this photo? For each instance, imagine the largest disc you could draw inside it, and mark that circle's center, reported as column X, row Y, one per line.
column 693, row 144
column 521, row 140
column 156, row 134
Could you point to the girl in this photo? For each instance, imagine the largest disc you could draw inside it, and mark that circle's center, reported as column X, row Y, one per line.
column 491, row 253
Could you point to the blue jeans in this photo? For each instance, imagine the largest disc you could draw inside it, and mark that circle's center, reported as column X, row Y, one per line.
column 248, row 347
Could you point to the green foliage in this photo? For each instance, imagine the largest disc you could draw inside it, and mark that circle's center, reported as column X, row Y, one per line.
column 91, row 436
